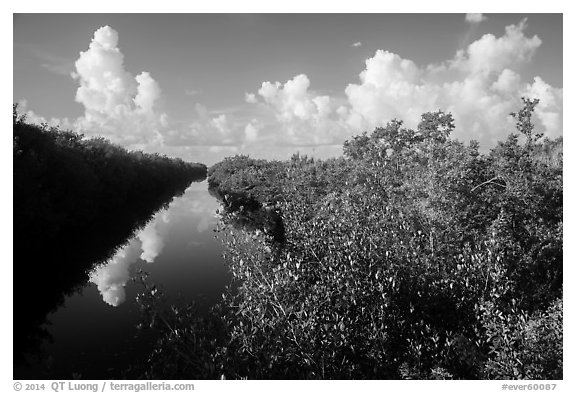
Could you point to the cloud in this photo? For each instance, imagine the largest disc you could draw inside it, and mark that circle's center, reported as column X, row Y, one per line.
column 475, row 18
column 480, row 86
column 290, row 100
column 126, row 109
column 221, row 124
column 490, row 55
column 302, row 116
column 357, row 44
column 147, row 94
column 193, row 92
column 549, row 109
column 58, row 68
column 251, row 132
column 117, row 105
column 34, row 118
column 250, row 98
column 206, row 129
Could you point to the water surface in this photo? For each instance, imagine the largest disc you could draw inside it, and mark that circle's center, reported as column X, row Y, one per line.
column 94, row 333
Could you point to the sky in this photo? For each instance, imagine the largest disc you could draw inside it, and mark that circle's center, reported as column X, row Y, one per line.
column 205, row 86
column 198, row 68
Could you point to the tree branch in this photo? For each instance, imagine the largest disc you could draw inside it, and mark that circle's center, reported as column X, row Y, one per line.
column 489, row 181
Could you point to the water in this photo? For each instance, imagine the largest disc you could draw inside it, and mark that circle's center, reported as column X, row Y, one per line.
column 94, row 332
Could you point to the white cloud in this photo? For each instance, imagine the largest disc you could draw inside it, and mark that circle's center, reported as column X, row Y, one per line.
column 303, row 116
column 205, row 129
column 116, row 104
column 221, row 124
column 250, row 98
column 357, row 44
column 549, row 109
column 291, row 99
column 490, row 55
column 475, row 18
column 480, row 86
column 251, row 132
column 33, row 118
column 508, row 82
column 388, row 87
column 125, row 108
column 148, row 92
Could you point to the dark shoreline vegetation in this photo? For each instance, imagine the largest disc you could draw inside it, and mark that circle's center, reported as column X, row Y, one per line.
column 76, row 201
column 413, row 256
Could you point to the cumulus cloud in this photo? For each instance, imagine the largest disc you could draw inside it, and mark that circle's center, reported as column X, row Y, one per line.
column 479, row 85
column 304, row 117
column 147, row 94
column 549, row 109
column 490, row 55
column 117, row 105
column 388, row 87
column 291, row 99
column 357, row 44
column 125, row 108
column 475, row 18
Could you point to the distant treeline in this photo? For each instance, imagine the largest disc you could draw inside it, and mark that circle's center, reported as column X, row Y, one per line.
column 75, row 201
column 412, row 256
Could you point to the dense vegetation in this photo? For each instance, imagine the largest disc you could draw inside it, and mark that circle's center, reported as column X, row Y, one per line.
column 75, row 201
column 412, row 256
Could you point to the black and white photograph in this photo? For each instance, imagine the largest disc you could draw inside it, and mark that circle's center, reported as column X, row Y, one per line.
column 287, row 196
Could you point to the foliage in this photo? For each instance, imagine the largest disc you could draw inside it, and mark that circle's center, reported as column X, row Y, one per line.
column 63, row 181
column 68, row 188
column 523, row 346
column 189, row 337
column 413, row 256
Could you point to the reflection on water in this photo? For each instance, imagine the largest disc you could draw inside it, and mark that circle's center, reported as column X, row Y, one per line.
column 111, row 278
column 177, row 248
column 151, row 238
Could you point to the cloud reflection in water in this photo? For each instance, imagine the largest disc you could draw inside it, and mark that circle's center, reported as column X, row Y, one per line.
column 111, row 278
